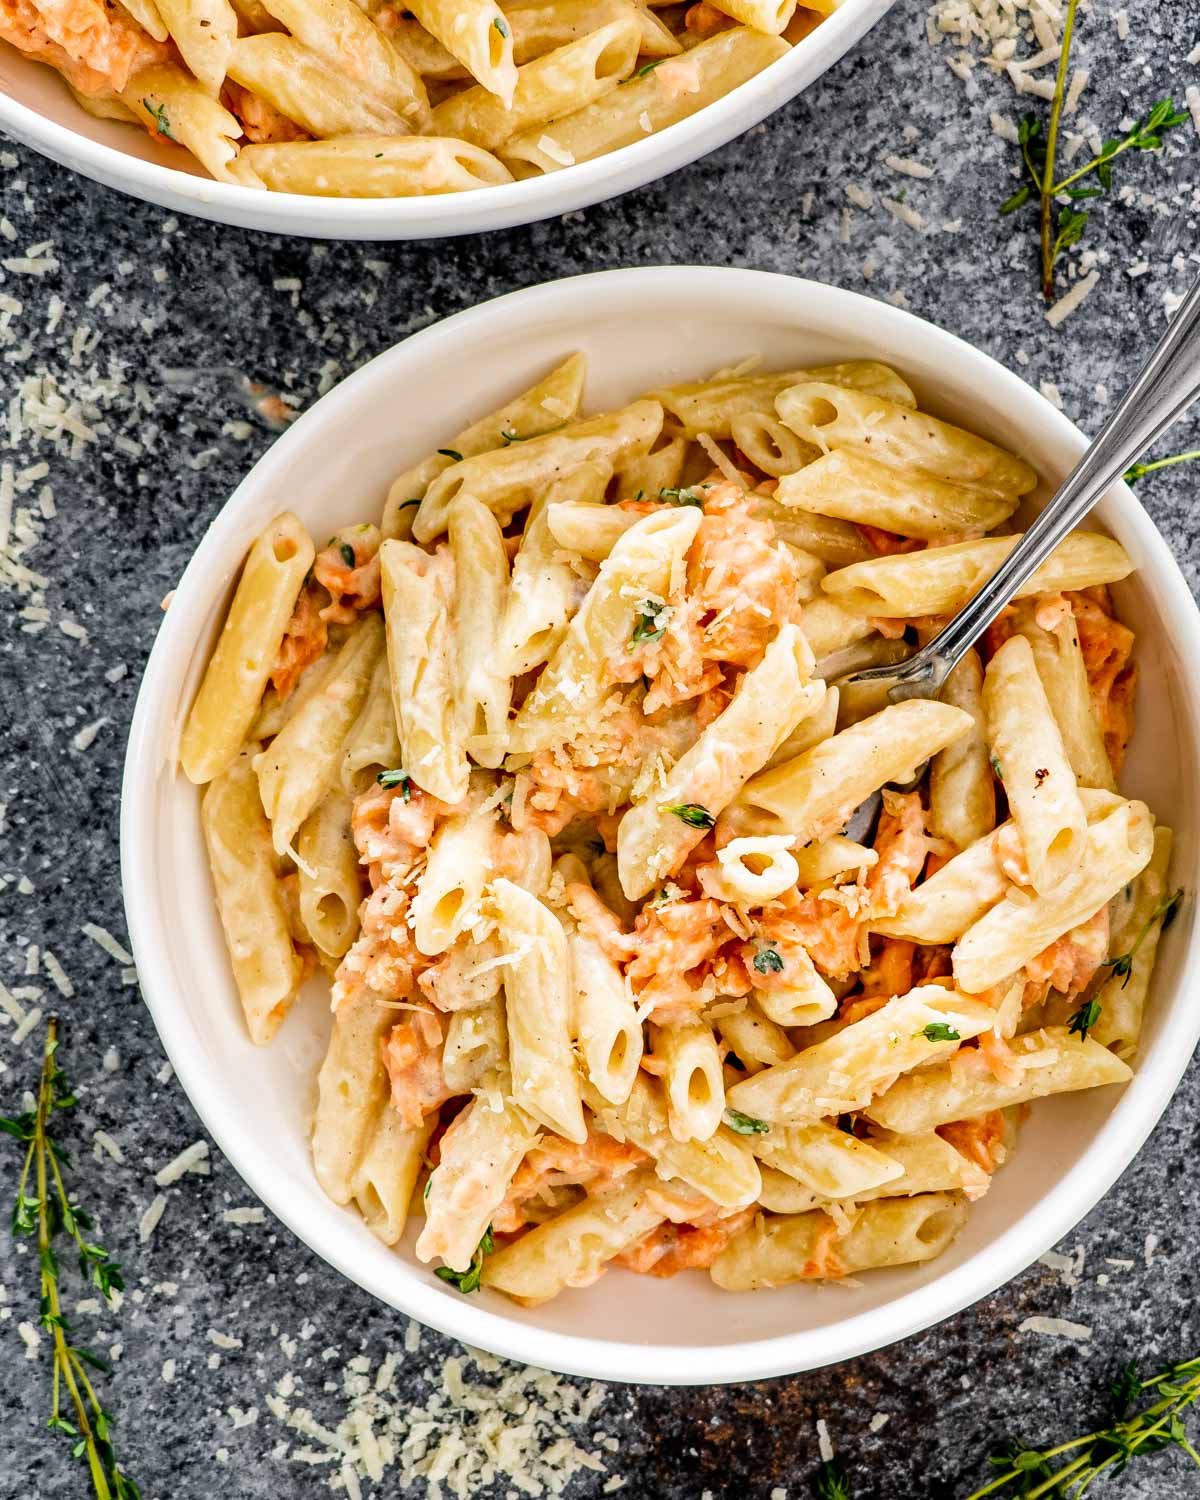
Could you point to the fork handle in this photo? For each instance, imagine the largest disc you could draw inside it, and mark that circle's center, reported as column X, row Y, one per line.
column 1167, row 385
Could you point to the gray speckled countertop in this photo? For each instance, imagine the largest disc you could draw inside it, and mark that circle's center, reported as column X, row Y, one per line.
column 131, row 291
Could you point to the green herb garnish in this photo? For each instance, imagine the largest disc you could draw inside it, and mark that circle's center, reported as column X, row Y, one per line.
column 1067, row 1470
column 1084, row 1019
column 158, row 113
column 1062, row 225
column 643, row 70
column 650, row 622
column 1139, row 471
column 999, row 774
column 742, row 1124
column 938, row 1031
column 451, row 453
column 831, row 1482
column 469, row 1280
column 681, row 497
column 692, row 814
column 397, row 778
column 524, row 437
column 44, row 1208
column 501, row 26
column 348, row 557
column 1165, row 912
column 768, row 961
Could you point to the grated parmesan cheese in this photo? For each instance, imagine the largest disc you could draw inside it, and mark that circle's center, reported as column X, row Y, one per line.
column 193, row 1158
column 1066, row 305
column 1059, row 1328
column 149, row 1221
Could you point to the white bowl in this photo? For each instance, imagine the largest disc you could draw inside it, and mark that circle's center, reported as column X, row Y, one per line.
column 37, row 108
column 638, row 329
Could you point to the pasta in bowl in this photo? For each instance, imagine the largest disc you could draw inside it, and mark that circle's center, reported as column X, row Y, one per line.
column 545, row 766
column 262, row 114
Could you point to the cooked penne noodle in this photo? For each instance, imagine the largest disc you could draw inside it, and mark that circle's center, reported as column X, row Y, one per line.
column 359, row 164
column 831, row 417
column 889, row 1232
column 352, row 1092
column 606, row 1026
column 673, row 91
column 553, row 85
column 830, row 628
column 450, row 888
column 537, row 991
column 1051, row 1061
column 836, row 543
column 659, row 831
column 962, row 796
column 373, row 745
column 844, row 1072
column 769, row 445
column 692, row 1078
column 330, row 886
column 480, row 1153
column 303, row 760
column 265, row 965
column 721, row 1167
column 508, row 479
column 1030, row 758
column 574, row 1248
column 809, row 731
column 592, row 530
column 483, row 684
column 305, row 88
column 204, row 31
column 171, row 103
column 1118, row 847
column 1122, row 997
column 276, row 711
column 228, row 700
column 940, row 580
column 813, row 795
column 387, row 1171
column 711, row 405
column 1060, row 665
column 764, row 15
column 544, row 585
column 648, row 561
column 804, row 1000
column 831, row 1162
column 648, row 474
column 339, row 32
column 476, row 1050
column 753, row 1040
column 476, row 32
column 417, row 594
column 853, row 486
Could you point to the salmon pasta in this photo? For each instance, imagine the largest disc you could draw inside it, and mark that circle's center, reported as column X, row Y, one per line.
column 379, row 99
column 650, row 945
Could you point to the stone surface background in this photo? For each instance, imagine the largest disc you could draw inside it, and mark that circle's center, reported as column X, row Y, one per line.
column 152, row 292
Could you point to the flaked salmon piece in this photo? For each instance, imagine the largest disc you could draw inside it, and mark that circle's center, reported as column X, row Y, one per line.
column 902, row 847
column 96, row 45
column 412, row 1055
column 392, row 825
column 1001, row 1059
column 599, row 1163
column 1010, row 854
column 741, row 586
column 1070, row 962
column 672, row 1248
column 979, row 1138
column 349, row 569
column 825, row 929
column 383, row 958
column 261, row 121
column 304, row 641
column 704, row 20
column 888, row 543
column 890, row 971
column 1106, row 646
column 597, row 920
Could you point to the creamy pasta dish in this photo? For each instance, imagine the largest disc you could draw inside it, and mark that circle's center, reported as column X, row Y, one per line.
column 650, row 945
column 382, row 99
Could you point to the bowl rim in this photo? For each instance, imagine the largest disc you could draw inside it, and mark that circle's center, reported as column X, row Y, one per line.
column 475, row 211
column 1129, row 1122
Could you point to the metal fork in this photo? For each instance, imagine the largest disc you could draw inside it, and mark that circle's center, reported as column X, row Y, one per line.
column 1168, row 384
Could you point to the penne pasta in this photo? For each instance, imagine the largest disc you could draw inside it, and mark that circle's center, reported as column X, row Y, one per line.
column 330, row 887
column 1060, row 665
column 692, row 1078
column 482, row 686
column 228, row 700
column 352, row 1093
column 367, row 161
column 606, row 1023
column 266, row 968
column 962, row 796
column 477, row 34
column 373, row 745
column 1122, row 996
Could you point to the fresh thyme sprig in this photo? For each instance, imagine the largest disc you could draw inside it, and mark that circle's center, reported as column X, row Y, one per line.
column 1139, row 471
column 44, row 1209
column 1062, row 224
column 1164, row 912
column 1068, row 1470
column 831, row 1482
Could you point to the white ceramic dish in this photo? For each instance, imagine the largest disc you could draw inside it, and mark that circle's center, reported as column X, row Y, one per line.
column 638, row 328
column 37, row 108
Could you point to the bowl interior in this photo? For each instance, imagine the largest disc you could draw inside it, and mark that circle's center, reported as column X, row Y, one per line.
column 637, row 329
